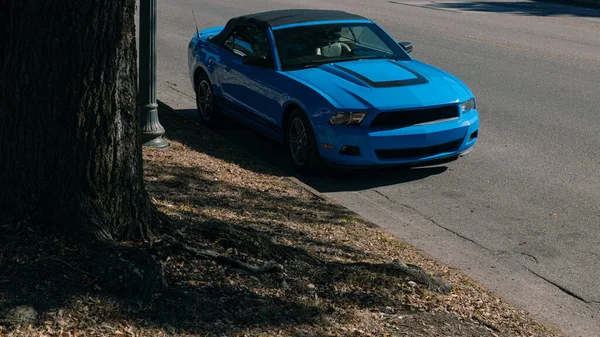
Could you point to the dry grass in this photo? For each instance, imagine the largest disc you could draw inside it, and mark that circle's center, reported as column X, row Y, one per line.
column 340, row 279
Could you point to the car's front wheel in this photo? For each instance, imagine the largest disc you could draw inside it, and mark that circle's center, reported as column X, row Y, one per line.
column 206, row 102
column 301, row 143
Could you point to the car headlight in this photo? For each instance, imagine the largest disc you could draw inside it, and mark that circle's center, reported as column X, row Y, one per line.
column 468, row 106
column 347, row 118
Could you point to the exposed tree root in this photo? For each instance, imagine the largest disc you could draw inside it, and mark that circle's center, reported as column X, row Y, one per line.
column 209, row 254
column 418, row 275
column 70, row 266
column 486, row 324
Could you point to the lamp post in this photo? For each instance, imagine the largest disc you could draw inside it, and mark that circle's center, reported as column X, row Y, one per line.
column 152, row 130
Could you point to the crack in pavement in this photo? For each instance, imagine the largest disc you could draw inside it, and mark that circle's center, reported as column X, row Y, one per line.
column 169, row 85
column 531, row 256
column 494, row 252
column 562, row 288
column 434, row 222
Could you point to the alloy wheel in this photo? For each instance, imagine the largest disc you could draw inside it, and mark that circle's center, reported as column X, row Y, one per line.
column 205, row 100
column 298, row 140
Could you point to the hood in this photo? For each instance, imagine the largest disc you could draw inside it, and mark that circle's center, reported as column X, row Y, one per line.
column 384, row 84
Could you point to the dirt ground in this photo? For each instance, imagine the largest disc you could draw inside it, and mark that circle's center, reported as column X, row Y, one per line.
column 335, row 275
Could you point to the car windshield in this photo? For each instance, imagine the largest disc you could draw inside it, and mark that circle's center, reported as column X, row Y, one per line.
column 313, row 45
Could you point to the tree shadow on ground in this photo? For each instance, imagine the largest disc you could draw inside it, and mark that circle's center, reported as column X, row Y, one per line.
column 34, row 269
column 58, row 284
column 206, row 298
column 326, row 278
column 240, row 140
column 359, row 180
column 525, row 8
column 256, row 220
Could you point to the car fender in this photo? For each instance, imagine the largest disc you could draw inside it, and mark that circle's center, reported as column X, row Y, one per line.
column 452, row 77
column 318, row 107
column 203, row 56
column 200, row 51
column 332, row 101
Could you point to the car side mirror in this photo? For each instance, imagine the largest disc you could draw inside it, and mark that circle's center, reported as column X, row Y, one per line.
column 407, row 46
column 256, row 61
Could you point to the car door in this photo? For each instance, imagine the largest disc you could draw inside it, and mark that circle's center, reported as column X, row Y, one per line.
column 251, row 88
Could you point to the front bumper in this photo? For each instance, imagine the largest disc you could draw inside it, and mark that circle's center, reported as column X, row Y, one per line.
column 414, row 145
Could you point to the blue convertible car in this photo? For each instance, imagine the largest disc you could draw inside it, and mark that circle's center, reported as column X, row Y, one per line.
column 334, row 87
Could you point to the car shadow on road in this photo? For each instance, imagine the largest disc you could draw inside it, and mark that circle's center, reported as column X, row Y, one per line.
column 526, row 8
column 331, row 180
column 346, row 181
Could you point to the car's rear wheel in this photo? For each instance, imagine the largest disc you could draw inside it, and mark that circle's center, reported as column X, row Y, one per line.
column 206, row 102
column 301, row 143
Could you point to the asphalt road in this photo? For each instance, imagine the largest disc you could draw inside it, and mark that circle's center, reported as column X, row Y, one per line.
column 521, row 213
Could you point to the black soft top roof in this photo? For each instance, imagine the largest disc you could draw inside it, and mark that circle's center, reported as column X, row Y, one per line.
column 291, row 16
column 283, row 17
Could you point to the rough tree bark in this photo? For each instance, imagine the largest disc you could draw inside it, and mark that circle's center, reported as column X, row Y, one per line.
column 70, row 152
column 69, row 147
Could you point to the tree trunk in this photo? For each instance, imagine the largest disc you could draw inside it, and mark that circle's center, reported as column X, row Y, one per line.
column 70, row 153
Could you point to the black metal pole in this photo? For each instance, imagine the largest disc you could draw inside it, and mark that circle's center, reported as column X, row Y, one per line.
column 152, row 130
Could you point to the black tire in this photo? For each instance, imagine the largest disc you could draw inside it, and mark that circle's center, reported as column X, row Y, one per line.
column 301, row 143
column 206, row 102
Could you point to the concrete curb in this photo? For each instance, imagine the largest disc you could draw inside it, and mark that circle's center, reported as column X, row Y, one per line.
column 313, row 191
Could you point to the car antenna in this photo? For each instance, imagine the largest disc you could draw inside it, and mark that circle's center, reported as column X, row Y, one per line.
column 197, row 33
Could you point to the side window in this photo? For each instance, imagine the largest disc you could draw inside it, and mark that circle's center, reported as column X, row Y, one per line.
column 368, row 38
column 249, row 41
column 347, row 35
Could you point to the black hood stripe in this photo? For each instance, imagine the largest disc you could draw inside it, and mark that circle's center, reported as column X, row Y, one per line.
column 387, row 84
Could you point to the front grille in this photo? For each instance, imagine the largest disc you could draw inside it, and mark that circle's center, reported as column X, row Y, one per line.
column 416, row 152
column 403, row 118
